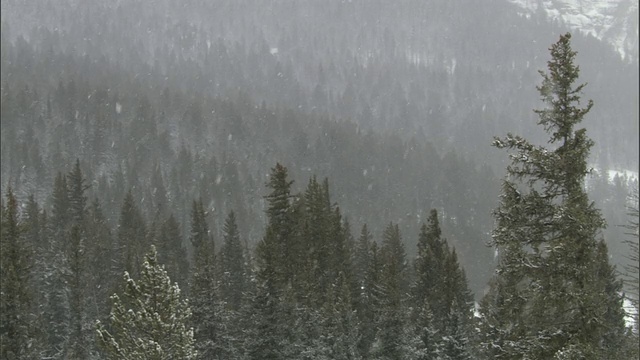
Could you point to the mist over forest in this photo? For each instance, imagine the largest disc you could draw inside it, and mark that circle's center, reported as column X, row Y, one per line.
column 360, row 130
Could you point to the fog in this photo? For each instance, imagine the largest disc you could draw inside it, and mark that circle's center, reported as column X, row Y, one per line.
column 165, row 104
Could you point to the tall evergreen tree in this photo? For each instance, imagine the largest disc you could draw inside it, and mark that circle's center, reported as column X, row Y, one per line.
column 394, row 280
column 233, row 264
column 131, row 236
column 76, row 185
column 553, row 298
column 61, row 210
column 170, row 244
column 276, row 266
column 429, row 267
column 99, row 260
column 16, row 318
column 76, row 253
column 441, row 297
column 275, row 255
column 58, row 311
column 371, row 301
column 362, row 255
column 204, row 287
column 632, row 269
column 78, row 344
column 151, row 321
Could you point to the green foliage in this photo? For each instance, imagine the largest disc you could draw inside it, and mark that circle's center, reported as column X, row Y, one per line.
column 275, row 258
column 442, row 301
column 204, row 287
column 16, row 319
column 131, row 235
column 150, row 321
column 554, row 293
column 234, row 273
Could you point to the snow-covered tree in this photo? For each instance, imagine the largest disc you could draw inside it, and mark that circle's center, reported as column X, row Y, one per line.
column 16, row 320
column 554, row 294
column 150, row 321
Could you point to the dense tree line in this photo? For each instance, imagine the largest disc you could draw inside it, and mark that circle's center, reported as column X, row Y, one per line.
column 310, row 289
column 299, row 295
column 133, row 132
column 436, row 69
column 140, row 138
column 106, row 154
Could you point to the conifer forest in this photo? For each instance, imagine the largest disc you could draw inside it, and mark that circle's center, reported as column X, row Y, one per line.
column 307, row 179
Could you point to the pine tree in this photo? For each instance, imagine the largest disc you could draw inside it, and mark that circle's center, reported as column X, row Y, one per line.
column 131, row 236
column 34, row 222
column 276, row 261
column 362, row 255
column 395, row 268
column 550, row 296
column 441, row 293
column 76, row 185
column 170, row 244
column 204, row 287
column 233, row 264
column 276, row 265
column 429, row 267
column 61, row 211
column 458, row 323
column 371, row 301
column 318, row 231
column 76, row 244
column 389, row 340
column 150, row 321
column 57, row 314
column 78, row 344
column 631, row 268
column 99, row 261
column 16, row 318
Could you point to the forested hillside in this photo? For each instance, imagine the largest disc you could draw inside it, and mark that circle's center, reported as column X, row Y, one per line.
column 309, row 173
column 397, row 106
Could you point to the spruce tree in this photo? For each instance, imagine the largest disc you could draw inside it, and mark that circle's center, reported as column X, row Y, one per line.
column 151, row 321
column 99, row 260
column 76, row 184
column 551, row 298
column 57, row 314
column 203, row 284
column 131, row 236
column 632, row 268
column 76, row 247
column 389, row 339
column 371, row 300
column 276, row 265
column 276, row 259
column 61, row 210
column 442, row 301
column 170, row 244
column 233, row 264
column 362, row 255
column 16, row 319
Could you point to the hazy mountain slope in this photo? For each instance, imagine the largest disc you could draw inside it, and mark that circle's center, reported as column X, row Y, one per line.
column 612, row 21
column 415, row 89
column 457, row 72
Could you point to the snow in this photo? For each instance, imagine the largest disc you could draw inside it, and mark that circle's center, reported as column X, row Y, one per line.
column 613, row 21
column 631, row 312
column 629, row 174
